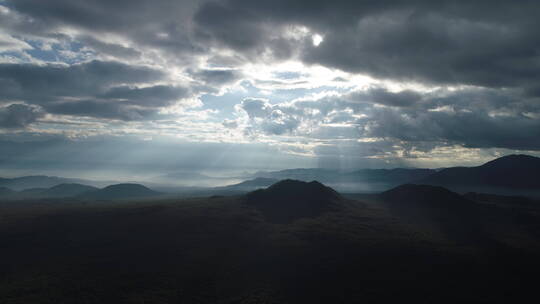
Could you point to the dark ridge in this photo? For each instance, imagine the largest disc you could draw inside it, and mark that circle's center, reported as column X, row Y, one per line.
column 288, row 200
column 508, row 172
column 421, row 194
column 514, row 161
column 121, row 191
column 436, row 208
column 33, row 191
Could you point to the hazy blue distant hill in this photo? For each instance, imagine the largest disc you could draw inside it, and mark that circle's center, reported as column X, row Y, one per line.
column 36, row 181
column 398, row 175
column 40, row 181
column 364, row 180
column 5, row 191
column 121, row 191
column 68, row 190
column 505, row 174
column 250, row 185
column 301, row 174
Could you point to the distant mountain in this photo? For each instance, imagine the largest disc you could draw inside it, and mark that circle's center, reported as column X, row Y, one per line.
column 513, row 172
column 121, row 191
column 398, row 175
column 36, row 181
column 364, row 180
column 41, row 181
column 250, row 185
column 301, row 174
column 6, row 191
column 288, row 200
column 68, row 190
column 185, row 175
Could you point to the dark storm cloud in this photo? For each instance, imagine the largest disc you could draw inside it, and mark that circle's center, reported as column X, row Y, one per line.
column 488, row 43
column 216, row 77
column 382, row 96
column 154, row 96
column 94, row 89
column 101, row 109
column 476, row 130
column 17, row 116
column 479, row 118
column 111, row 49
column 139, row 21
column 42, row 83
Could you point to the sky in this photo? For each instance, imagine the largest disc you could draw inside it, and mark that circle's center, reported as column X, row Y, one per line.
column 134, row 88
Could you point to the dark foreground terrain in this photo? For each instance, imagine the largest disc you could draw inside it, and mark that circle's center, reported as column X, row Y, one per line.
column 419, row 243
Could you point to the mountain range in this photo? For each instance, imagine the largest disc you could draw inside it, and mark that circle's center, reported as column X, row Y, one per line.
column 508, row 175
column 79, row 191
column 513, row 173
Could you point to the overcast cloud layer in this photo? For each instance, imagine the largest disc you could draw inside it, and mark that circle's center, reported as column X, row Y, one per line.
column 344, row 84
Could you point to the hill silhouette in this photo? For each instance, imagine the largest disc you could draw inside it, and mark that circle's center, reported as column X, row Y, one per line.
column 288, row 200
column 67, row 190
column 121, row 191
column 428, row 195
column 509, row 172
column 438, row 209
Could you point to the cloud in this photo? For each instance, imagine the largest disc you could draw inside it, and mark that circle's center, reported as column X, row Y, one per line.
column 403, row 98
column 266, row 118
column 153, row 96
column 99, row 89
column 256, row 108
column 16, row 116
column 387, row 77
column 216, row 77
column 476, row 118
column 10, row 44
column 470, row 129
column 230, row 124
column 110, row 48
column 37, row 82
column 163, row 24
column 445, row 42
